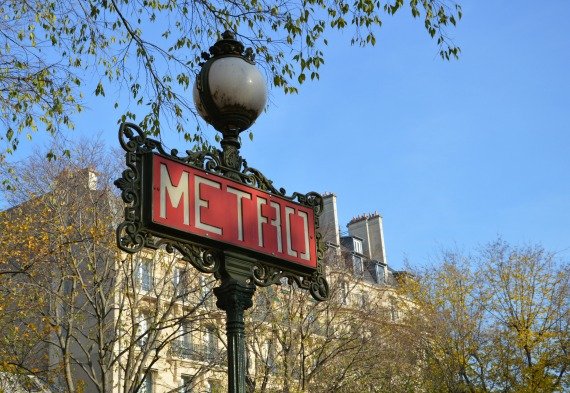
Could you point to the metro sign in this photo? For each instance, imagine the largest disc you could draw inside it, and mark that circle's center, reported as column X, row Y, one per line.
column 218, row 210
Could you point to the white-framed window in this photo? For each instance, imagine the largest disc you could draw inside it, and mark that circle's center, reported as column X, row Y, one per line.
column 357, row 246
column 179, row 281
column 142, row 327
column 211, row 342
column 145, row 274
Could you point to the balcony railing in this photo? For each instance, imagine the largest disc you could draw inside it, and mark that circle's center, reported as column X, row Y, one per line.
column 196, row 352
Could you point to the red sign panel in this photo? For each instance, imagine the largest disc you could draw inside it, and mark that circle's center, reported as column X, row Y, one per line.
column 201, row 203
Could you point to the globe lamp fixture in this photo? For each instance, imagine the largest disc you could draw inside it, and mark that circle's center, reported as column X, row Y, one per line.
column 230, row 91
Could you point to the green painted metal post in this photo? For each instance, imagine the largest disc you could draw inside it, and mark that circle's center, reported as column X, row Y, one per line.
column 234, row 296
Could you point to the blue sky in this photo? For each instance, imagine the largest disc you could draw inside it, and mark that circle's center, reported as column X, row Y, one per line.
column 451, row 154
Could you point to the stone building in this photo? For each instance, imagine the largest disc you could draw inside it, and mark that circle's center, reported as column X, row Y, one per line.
column 364, row 243
column 160, row 330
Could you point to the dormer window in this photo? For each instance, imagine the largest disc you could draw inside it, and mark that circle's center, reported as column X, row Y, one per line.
column 358, row 246
column 358, row 265
column 379, row 273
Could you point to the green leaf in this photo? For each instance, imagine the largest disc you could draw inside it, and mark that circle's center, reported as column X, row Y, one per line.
column 99, row 90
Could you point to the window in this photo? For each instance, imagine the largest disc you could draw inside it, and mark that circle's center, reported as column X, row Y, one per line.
column 213, row 386
column 145, row 275
column 394, row 313
column 186, row 384
column 379, row 271
column 269, row 349
column 67, row 286
column 142, row 329
column 357, row 265
column 184, row 346
column 179, row 281
column 147, row 385
column 206, row 293
column 186, row 337
column 358, row 246
column 211, row 343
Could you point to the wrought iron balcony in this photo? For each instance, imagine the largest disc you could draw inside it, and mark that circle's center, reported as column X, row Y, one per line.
column 197, row 352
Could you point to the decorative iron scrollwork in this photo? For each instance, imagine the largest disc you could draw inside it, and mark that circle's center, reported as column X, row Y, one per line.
column 315, row 283
column 265, row 276
column 132, row 236
column 204, row 259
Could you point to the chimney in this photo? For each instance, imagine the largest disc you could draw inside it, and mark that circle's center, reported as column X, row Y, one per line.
column 358, row 227
column 369, row 227
column 376, row 232
column 328, row 221
column 77, row 179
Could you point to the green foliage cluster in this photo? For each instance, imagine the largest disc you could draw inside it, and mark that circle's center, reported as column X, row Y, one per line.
column 145, row 53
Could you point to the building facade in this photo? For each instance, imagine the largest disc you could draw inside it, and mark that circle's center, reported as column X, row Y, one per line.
column 148, row 322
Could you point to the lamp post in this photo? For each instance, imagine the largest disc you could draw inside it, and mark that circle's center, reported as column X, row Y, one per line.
column 230, row 94
column 195, row 204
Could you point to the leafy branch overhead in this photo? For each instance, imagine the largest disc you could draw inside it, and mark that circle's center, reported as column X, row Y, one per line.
column 144, row 54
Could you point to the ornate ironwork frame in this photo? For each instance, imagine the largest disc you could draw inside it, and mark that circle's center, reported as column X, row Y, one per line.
column 133, row 234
